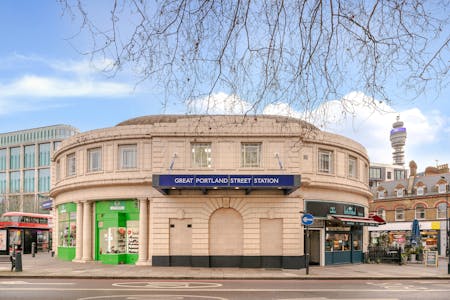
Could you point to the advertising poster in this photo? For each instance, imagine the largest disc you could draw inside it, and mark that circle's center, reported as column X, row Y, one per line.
column 2, row 240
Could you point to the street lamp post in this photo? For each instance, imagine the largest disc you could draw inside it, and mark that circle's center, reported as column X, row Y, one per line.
column 447, row 248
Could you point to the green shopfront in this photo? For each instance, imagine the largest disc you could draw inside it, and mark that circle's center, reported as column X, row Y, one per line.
column 343, row 228
column 117, row 231
column 67, row 231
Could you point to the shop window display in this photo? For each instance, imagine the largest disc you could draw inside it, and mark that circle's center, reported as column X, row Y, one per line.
column 120, row 240
column 67, row 229
column 337, row 242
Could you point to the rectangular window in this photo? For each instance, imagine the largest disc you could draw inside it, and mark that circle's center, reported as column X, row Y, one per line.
column 28, row 181
column 14, row 159
column 352, row 166
column 71, row 165
column 442, row 188
column 14, row 182
column 127, row 156
column 325, row 161
column 67, row 228
column 441, row 210
column 29, row 203
column 389, row 175
column 251, row 155
column 380, row 194
column 44, row 154
column 44, row 180
column 2, row 159
column 382, row 213
column 201, row 155
column 399, row 174
column 375, row 173
column 2, row 183
column 400, row 193
column 94, row 159
column 56, row 145
column 420, row 212
column 28, row 160
column 399, row 214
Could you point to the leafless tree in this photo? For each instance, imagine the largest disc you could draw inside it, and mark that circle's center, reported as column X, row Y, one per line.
column 302, row 52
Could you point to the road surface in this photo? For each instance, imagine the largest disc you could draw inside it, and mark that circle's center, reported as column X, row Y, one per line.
column 99, row 289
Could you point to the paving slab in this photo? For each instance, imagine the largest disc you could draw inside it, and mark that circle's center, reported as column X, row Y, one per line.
column 43, row 265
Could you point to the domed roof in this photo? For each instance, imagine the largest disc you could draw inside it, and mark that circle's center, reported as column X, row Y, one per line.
column 154, row 119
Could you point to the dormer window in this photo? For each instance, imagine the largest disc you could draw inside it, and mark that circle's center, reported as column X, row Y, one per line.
column 420, row 191
column 380, row 194
column 400, row 193
column 442, row 188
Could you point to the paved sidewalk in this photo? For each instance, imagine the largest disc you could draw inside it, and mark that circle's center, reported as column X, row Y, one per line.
column 43, row 266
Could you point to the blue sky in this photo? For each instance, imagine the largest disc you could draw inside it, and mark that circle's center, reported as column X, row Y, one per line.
column 45, row 81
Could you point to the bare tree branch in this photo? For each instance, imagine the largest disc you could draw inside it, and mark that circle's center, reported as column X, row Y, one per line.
column 302, row 52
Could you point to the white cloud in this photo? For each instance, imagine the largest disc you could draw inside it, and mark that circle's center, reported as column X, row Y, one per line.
column 56, row 80
column 363, row 119
column 219, row 103
column 369, row 122
column 37, row 86
column 282, row 109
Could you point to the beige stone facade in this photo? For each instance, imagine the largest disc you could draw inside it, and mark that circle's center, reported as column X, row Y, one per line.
column 209, row 226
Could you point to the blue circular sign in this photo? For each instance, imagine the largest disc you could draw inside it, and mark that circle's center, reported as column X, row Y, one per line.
column 307, row 219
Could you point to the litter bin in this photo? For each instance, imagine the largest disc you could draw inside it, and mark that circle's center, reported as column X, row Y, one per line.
column 18, row 262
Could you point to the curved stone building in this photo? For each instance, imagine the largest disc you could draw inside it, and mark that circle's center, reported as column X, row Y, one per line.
column 212, row 191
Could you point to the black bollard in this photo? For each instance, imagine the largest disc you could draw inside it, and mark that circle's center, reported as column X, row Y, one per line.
column 18, row 262
column 33, row 249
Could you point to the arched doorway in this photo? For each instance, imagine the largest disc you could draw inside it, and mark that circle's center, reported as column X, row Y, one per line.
column 225, row 238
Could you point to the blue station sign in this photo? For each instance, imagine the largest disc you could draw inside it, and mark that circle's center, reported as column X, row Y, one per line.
column 202, row 181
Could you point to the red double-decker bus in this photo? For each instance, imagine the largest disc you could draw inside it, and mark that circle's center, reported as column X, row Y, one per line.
column 20, row 229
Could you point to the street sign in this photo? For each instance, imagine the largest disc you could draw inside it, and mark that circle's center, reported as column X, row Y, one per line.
column 307, row 219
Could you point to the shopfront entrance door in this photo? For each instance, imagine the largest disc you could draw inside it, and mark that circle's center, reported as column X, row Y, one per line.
column 314, row 258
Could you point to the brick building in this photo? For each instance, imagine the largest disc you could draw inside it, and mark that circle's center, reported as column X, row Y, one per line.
column 423, row 197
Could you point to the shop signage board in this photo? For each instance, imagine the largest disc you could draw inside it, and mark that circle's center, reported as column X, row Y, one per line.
column 321, row 209
column 204, row 181
column 117, row 205
column 226, row 180
column 431, row 258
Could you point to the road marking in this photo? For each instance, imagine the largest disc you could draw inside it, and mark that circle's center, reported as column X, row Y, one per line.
column 229, row 290
column 168, row 284
column 396, row 285
column 159, row 297
column 34, row 283
column 324, row 298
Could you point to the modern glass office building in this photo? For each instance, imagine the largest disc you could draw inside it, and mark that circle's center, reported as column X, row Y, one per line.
column 25, row 157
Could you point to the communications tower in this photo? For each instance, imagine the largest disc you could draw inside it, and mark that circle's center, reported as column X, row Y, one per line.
column 398, row 139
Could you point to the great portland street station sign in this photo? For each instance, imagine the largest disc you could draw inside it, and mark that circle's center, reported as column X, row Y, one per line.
column 288, row 183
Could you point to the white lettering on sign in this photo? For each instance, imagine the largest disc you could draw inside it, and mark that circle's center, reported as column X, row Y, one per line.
column 183, row 180
column 270, row 180
column 220, row 180
column 241, row 180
